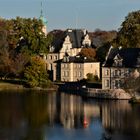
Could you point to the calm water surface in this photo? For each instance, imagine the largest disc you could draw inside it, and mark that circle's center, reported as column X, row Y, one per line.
column 59, row 116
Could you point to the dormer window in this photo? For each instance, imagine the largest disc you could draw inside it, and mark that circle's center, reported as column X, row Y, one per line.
column 66, row 59
column 118, row 61
column 86, row 40
column 67, row 39
column 67, row 45
column 51, row 48
column 138, row 60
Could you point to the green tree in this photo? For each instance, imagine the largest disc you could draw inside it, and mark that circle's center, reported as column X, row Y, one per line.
column 129, row 33
column 102, row 52
column 35, row 73
column 92, row 78
column 27, row 34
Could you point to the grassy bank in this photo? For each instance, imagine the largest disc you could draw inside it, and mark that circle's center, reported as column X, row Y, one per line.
column 8, row 86
column 19, row 85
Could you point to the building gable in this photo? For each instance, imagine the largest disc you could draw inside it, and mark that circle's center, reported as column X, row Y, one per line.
column 129, row 57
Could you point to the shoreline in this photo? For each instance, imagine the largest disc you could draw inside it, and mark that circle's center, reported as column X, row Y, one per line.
column 5, row 86
column 118, row 94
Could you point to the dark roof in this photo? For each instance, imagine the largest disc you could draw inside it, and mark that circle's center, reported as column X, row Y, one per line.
column 130, row 57
column 58, row 38
column 76, row 37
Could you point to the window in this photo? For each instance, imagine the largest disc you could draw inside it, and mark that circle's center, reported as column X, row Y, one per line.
column 63, row 65
column 67, row 73
column 96, row 73
column 127, row 73
column 50, row 57
column 79, row 65
column 119, row 72
column 63, row 73
column 55, row 57
column 106, row 72
column 51, row 66
column 80, row 74
column 75, row 73
column 106, row 83
column 118, row 63
column 116, row 73
column 117, row 83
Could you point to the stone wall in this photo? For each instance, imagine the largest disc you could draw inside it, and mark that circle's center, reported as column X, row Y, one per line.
column 106, row 94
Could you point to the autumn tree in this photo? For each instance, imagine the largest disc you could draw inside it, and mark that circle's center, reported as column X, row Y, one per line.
column 4, row 55
column 18, row 64
column 5, row 63
column 20, row 39
column 88, row 52
column 3, row 33
column 129, row 33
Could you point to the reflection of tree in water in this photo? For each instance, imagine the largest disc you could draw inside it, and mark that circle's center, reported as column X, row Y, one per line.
column 23, row 115
column 35, row 109
column 120, row 117
column 36, row 134
column 10, row 113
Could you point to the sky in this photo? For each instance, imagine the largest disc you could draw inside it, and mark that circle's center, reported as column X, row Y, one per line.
column 63, row 14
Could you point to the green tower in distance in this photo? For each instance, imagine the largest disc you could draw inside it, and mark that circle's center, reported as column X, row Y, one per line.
column 44, row 21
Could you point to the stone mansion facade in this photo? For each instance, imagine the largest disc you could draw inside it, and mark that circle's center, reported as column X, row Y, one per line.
column 63, row 61
column 75, row 68
column 120, row 64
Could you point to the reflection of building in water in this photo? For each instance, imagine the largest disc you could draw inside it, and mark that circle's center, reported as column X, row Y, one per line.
column 52, row 108
column 91, row 110
column 71, row 111
column 75, row 113
column 114, row 115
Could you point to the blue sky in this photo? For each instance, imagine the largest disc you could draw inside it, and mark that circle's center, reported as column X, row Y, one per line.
column 63, row 14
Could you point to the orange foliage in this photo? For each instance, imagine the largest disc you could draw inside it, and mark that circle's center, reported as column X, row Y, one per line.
column 88, row 52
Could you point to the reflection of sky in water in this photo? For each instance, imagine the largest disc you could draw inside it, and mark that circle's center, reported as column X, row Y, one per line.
column 93, row 132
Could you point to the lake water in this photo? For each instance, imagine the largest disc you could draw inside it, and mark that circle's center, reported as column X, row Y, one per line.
column 60, row 116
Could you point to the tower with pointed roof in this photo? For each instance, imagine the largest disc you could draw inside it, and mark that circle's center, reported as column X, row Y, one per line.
column 44, row 21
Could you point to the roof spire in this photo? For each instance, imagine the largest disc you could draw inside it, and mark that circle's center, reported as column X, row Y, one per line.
column 41, row 14
column 43, row 19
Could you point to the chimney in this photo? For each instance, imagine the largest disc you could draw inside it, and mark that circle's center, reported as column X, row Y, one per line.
column 85, row 31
